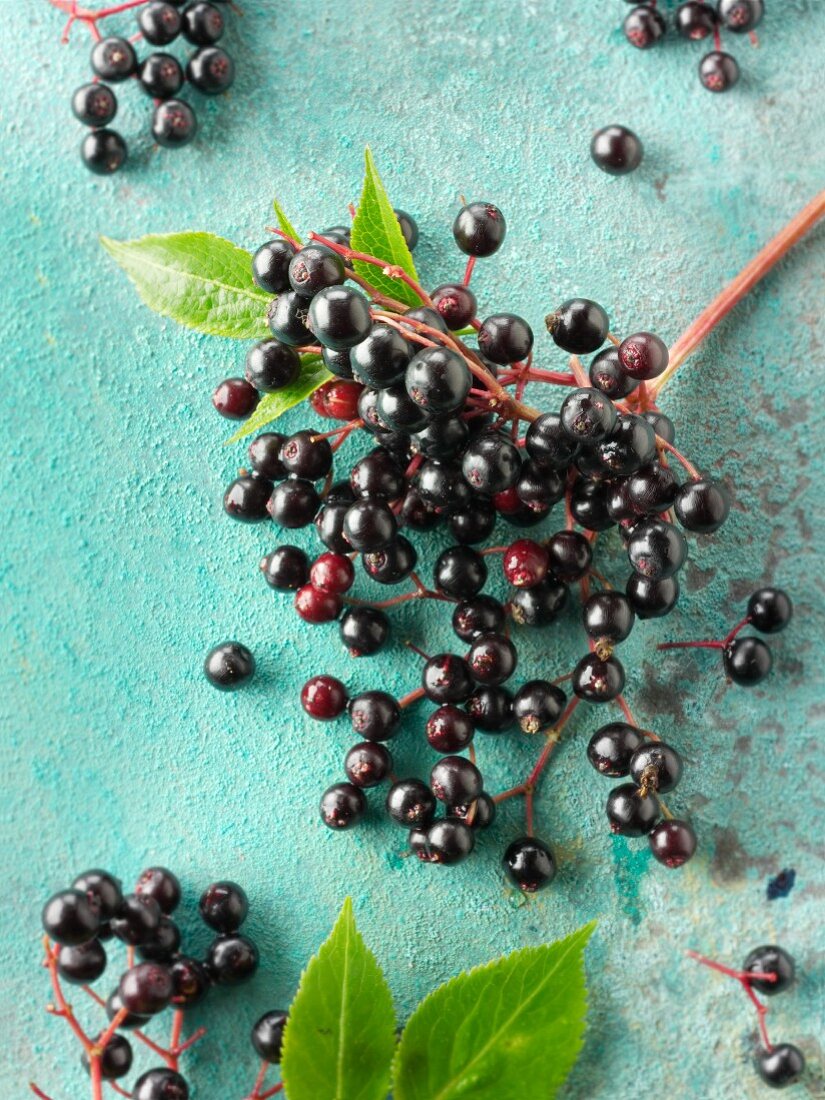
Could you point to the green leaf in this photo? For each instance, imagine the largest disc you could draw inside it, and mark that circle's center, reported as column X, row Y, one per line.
column 197, row 279
column 509, row 1029
column 284, row 221
column 272, row 405
column 340, row 1038
column 375, row 230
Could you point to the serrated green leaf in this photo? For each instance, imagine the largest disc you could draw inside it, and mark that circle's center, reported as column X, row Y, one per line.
column 284, row 221
column 340, row 1038
column 509, row 1029
column 375, row 230
column 272, row 405
column 197, row 279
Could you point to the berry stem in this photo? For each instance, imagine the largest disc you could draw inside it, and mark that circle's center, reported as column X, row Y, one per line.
column 410, row 698
column 468, row 270
column 393, row 271
column 271, row 1092
column 691, row 645
column 62, row 1007
column 680, row 458
column 733, row 293
column 555, row 378
column 744, row 979
column 39, row 1092
column 732, row 633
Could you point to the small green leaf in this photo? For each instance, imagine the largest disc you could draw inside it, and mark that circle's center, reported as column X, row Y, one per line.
column 197, row 279
column 272, row 405
column 284, row 222
column 509, row 1029
column 340, row 1038
column 375, row 230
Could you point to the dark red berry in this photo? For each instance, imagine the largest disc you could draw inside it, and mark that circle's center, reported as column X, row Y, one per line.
column 332, row 573
column 235, row 398
column 315, row 606
column 324, row 698
column 525, row 563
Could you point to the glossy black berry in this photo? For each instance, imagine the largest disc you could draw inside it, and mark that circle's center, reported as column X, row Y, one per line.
column 164, row 945
column 662, row 425
column 672, row 842
column 339, row 316
column 652, row 599
column 537, row 705
column 656, row 767
column 492, row 659
column 549, row 444
column 190, row 982
column 411, row 802
column 446, row 679
column 114, row 59
column 364, row 630
column 159, row 23
column 441, row 484
column 449, row 729
column 369, row 525
column 270, row 265
column 587, row 416
column 307, row 455
column 235, row 398
column 246, row 498
column 294, row 503
column 597, row 679
column 747, row 661
column 539, row 605
column 203, row 23
column 381, row 358
column 313, row 268
column 162, row 885
column 644, row 27
column 631, row 813
column 455, row 780
column 228, row 666
column 491, row 463
column 491, row 709
column 103, row 890
column 268, row 1035
column 478, row 615
column 367, row 764
column 770, row 959
column 103, row 151
column 232, row 959
column 478, row 814
column 529, row 864
column 286, row 568
column 115, row 1061
column 718, row 71
column 479, row 229
column 160, row 76
column 71, row 918
column 94, row 104
column 653, row 488
column 616, row 150
column 579, row 326
column 223, row 906
column 160, row 1084
column 702, row 506
column 137, row 920
column 398, row 411
column 473, row 525
column 455, row 303
column 695, row 20
column 211, row 70
column 438, row 380
column 588, row 505
column 271, row 365
column 130, row 1021
column 505, row 338
column 460, row 571
column 374, row 715
column 781, row 1066
column 426, row 316
column 608, row 375
column 770, row 610
column 173, row 123
column 656, row 549
column 611, row 748
column 570, row 555
column 449, row 842
column 740, row 16
column 145, row 989
column 83, row 963
column 609, row 615
column 393, row 563
column 287, row 319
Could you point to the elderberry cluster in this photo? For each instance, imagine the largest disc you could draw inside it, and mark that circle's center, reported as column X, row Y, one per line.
column 210, row 70
column 94, row 909
column 442, row 452
column 696, row 20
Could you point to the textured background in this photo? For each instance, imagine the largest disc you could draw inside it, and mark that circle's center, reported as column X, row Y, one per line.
column 119, row 569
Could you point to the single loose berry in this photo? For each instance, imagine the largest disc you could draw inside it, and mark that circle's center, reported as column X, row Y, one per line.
column 211, row 70
column 579, row 326
column 631, row 813
column 718, row 71
column 268, row 1035
column 223, row 906
column 770, row 610
column 411, row 802
column 375, row 715
column 94, row 104
column 780, row 1066
column 103, row 152
column 611, row 748
column 529, row 864
column 479, row 229
column 598, row 680
column 235, row 398
column 770, row 959
column 747, row 661
column 160, row 1084
column 702, row 506
column 228, row 666
column 324, row 698
column 368, row 764
column 232, row 959
column 616, row 150
column 672, row 842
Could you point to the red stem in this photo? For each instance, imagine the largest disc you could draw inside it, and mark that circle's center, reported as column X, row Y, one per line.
column 744, row 978
column 691, row 645
column 468, row 270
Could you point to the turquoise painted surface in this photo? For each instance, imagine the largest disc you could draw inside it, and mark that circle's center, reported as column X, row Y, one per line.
column 119, row 569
